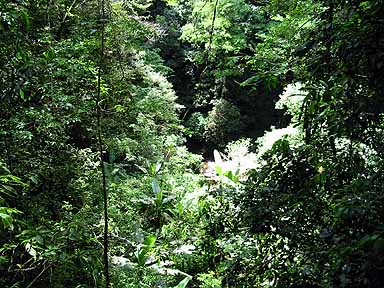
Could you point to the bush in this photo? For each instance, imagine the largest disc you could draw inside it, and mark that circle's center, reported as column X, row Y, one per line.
column 196, row 124
column 223, row 123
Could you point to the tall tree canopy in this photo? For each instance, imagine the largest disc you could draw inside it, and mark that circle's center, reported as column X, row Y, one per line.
column 239, row 142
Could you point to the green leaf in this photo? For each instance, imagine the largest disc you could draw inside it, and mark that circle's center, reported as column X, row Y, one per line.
column 22, row 95
column 142, row 169
column 19, row 55
column 155, row 187
column 219, row 170
column 25, row 18
column 159, row 198
column 39, row 239
column 6, row 220
column 278, row 18
column 250, row 81
column 141, row 253
column 150, row 240
column 158, row 167
column 50, row 54
column 183, row 283
column 34, row 179
column 8, row 190
column 152, row 169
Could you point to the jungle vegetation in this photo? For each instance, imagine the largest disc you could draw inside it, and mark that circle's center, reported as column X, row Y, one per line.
column 109, row 109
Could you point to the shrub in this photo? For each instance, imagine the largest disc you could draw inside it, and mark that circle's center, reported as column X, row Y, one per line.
column 223, row 122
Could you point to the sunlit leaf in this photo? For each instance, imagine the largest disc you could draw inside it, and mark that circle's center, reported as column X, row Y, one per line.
column 183, row 283
column 155, row 187
column 150, row 240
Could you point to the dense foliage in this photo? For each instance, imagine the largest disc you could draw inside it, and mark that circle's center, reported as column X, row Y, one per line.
column 298, row 204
